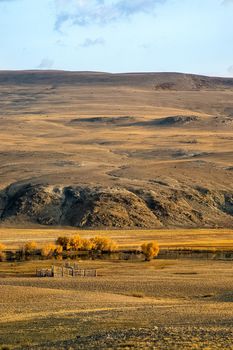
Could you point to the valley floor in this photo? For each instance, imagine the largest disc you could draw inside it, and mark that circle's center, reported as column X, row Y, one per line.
column 222, row 239
column 163, row 304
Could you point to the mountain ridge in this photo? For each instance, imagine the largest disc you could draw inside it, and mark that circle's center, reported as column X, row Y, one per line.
column 177, row 81
column 115, row 207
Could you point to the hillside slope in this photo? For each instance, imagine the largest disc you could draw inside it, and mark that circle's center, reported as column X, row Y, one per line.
column 139, row 149
column 164, row 81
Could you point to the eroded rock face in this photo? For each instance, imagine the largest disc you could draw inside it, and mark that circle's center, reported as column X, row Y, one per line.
column 98, row 207
column 77, row 206
column 109, row 207
column 177, row 120
column 190, row 207
column 34, row 203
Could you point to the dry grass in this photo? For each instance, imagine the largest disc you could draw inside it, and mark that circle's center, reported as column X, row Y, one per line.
column 47, row 147
column 14, row 238
column 125, row 295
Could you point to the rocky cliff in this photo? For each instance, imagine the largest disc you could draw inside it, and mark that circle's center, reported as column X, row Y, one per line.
column 115, row 207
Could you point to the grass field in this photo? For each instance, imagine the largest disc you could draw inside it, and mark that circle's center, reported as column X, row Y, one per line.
column 14, row 238
column 163, row 304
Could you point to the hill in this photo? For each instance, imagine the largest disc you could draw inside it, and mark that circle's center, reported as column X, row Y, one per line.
column 163, row 81
column 95, row 149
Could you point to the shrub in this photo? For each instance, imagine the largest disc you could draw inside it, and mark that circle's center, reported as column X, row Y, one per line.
column 49, row 249
column 2, row 256
column 30, row 248
column 103, row 244
column 75, row 242
column 138, row 295
column 58, row 250
column 87, row 244
column 2, row 247
column 64, row 242
column 150, row 250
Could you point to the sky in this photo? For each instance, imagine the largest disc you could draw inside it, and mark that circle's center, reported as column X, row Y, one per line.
column 191, row 36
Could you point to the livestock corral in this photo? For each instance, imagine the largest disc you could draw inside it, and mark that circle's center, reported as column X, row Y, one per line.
column 66, row 270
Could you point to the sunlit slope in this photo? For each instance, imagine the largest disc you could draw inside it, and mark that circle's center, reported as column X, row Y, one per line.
column 165, row 138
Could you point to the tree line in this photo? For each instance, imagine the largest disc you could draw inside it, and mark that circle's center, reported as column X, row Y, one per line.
column 64, row 244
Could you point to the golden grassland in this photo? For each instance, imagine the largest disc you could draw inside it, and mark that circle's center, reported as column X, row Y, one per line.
column 49, row 147
column 14, row 238
column 190, row 301
column 186, row 295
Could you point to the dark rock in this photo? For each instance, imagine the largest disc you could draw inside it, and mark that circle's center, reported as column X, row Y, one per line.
column 108, row 207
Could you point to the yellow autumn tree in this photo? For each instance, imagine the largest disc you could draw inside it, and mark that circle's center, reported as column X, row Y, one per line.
column 75, row 242
column 2, row 254
column 150, row 250
column 87, row 244
column 2, row 247
column 64, row 242
column 58, row 250
column 103, row 244
column 30, row 248
column 49, row 249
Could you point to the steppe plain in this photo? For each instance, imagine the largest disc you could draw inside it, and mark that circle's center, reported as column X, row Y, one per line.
column 160, row 142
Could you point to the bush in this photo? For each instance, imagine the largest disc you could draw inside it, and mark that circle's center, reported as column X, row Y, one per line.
column 76, row 242
column 150, row 250
column 30, row 248
column 64, row 242
column 103, row 244
column 58, row 250
column 2, row 256
column 87, row 244
column 49, row 249
column 2, row 247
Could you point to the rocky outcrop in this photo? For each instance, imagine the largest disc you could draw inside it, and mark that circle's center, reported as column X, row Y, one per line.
column 76, row 206
column 190, row 207
column 98, row 207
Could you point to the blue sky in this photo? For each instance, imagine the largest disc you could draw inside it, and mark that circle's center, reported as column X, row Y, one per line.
column 193, row 36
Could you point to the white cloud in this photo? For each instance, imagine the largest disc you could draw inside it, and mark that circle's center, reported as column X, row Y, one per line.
column 88, row 42
column 46, row 63
column 87, row 12
column 227, row 2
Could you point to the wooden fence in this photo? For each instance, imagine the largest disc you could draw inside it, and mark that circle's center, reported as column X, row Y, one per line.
column 66, row 271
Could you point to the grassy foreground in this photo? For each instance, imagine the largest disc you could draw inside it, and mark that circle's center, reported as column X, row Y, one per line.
column 161, row 304
column 172, row 304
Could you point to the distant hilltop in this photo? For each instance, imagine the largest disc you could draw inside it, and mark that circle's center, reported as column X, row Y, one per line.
column 157, row 81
